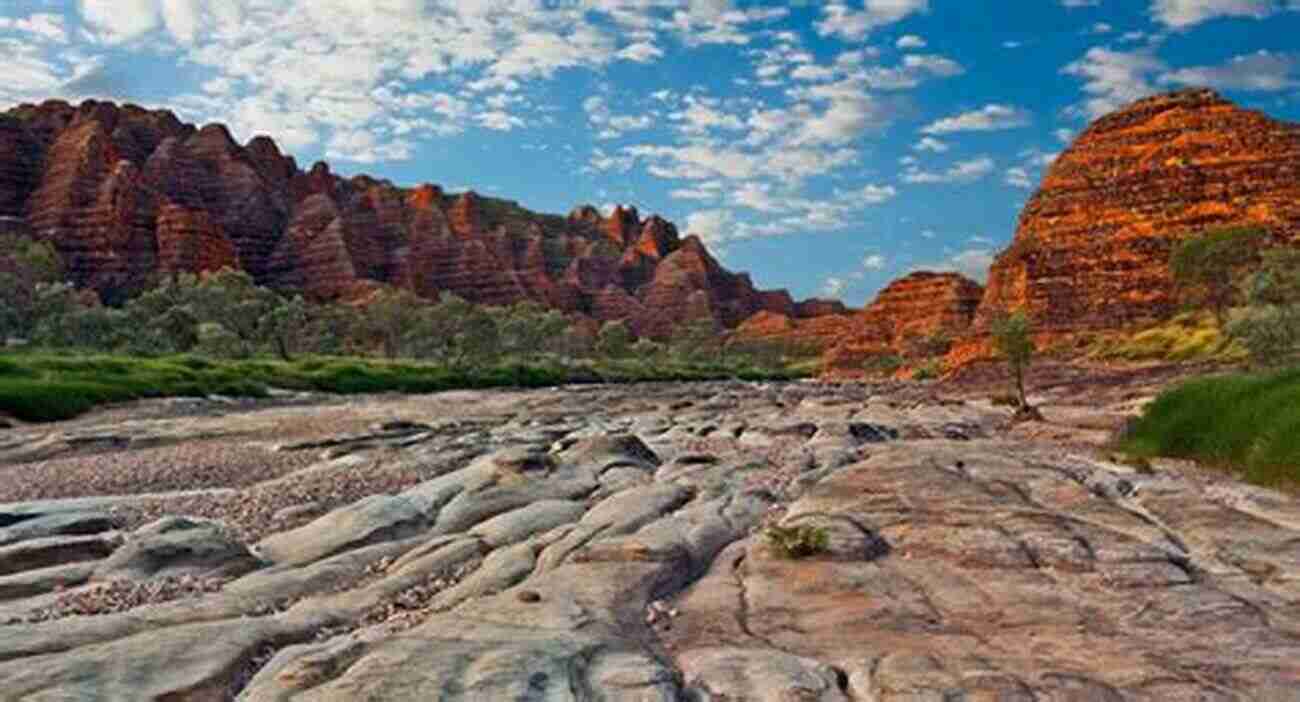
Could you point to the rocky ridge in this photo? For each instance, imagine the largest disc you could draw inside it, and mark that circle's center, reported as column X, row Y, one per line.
column 126, row 194
column 917, row 306
column 608, row 543
column 1092, row 246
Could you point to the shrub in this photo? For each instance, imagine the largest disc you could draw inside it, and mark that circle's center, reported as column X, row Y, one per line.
column 799, row 541
column 1014, row 341
column 1206, row 267
column 1246, row 421
column 927, row 371
column 885, row 364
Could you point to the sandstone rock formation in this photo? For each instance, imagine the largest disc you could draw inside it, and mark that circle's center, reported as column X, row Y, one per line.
column 917, row 306
column 609, row 543
column 125, row 193
column 1092, row 246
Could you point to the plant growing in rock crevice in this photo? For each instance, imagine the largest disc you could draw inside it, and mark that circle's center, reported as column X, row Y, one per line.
column 799, row 541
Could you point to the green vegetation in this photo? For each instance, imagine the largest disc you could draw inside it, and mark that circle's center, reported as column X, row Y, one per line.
column 930, row 370
column 1013, row 339
column 1269, row 327
column 1248, row 421
column 1206, row 267
column 797, row 541
column 883, row 364
column 1189, row 336
column 220, row 333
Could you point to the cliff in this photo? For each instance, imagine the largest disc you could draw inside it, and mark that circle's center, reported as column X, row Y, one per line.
column 126, row 194
column 919, row 306
column 1092, row 246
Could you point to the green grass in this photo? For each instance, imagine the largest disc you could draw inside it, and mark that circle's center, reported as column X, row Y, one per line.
column 1190, row 336
column 45, row 387
column 1245, row 422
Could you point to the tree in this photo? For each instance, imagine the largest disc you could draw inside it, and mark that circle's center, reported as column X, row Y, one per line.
column 164, row 318
column 1269, row 327
column 1205, row 267
column 24, row 265
column 614, row 340
column 285, row 325
column 390, row 314
column 233, row 300
column 1014, row 341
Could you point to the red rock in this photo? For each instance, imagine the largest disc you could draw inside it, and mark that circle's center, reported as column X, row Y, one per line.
column 123, row 192
column 1092, row 246
column 189, row 241
column 919, row 305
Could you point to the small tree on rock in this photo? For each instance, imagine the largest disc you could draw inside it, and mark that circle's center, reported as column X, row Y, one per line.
column 1205, row 267
column 1013, row 338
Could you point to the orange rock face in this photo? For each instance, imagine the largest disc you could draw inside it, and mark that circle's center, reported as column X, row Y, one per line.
column 914, row 307
column 1092, row 247
column 124, row 192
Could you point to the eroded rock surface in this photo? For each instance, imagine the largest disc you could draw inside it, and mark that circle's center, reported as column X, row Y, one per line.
column 609, row 543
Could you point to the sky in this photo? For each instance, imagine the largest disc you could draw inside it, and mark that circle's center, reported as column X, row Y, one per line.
column 826, row 147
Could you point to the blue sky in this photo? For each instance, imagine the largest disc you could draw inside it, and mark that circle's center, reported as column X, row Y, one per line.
column 826, row 147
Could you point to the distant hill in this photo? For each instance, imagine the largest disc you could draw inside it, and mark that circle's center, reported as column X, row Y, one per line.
column 125, row 194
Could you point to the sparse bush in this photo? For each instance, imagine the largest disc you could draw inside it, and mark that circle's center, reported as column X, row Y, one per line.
column 1005, row 400
column 799, row 541
column 930, row 370
column 884, row 364
column 1014, row 341
column 1206, row 267
column 1269, row 328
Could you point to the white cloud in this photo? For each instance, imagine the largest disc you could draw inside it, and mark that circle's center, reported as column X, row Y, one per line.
column 988, row 118
column 1261, row 71
column 841, row 20
column 43, row 25
column 1114, row 78
column 1080, row 3
column 960, row 172
column 873, row 262
column 121, row 20
column 834, row 286
column 1180, row 14
column 973, row 263
column 364, row 147
column 1063, row 135
column 1018, row 177
column 712, row 226
column 930, row 144
column 910, row 41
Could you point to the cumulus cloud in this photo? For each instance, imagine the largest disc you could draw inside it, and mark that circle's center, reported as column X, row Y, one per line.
column 910, row 41
column 1114, row 78
column 1262, row 71
column 930, row 144
column 834, row 286
column 973, row 263
column 988, row 118
column 961, row 172
column 42, row 25
column 845, row 21
column 873, row 262
column 1180, row 14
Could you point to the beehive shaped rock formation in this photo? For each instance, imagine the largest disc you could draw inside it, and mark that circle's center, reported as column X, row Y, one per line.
column 919, row 305
column 1092, row 247
column 124, row 193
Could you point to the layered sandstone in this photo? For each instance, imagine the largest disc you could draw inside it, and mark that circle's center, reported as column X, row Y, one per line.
column 124, row 193
column 917, row 307
column 1092, row 246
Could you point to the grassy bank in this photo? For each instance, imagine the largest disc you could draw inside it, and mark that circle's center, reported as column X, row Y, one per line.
column 40, row 387
column 1247, row 422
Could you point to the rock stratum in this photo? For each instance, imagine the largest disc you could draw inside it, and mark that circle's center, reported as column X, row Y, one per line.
column 1092, row 246
column 1091, row 250
column 125, row 194
column 607, row 543
column 909, row 310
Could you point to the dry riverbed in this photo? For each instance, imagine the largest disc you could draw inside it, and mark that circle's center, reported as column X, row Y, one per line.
column 608, row 543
